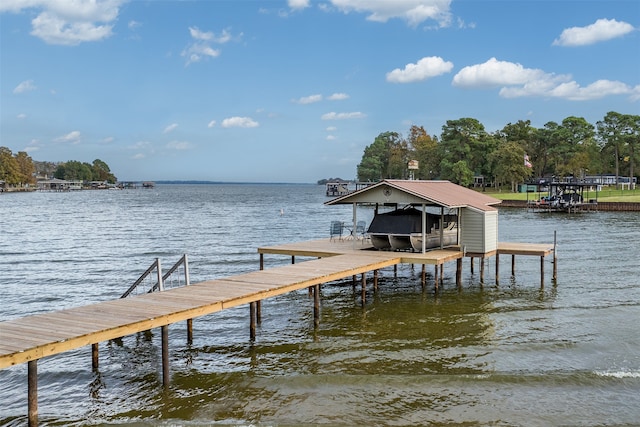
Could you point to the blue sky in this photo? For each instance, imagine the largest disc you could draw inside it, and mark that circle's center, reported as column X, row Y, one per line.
column 293, row 91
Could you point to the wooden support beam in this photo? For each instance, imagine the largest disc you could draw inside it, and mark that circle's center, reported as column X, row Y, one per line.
column 165, row 356
column 424, row 275
column 542, row 271
column 32, row 392
column 261, row 261
column 497, row 269
column 513, row 265
column 375, row 280
column 316, row 306
column 94, row 356
column 459, row 272
column 259, row 312
column 364, row 289
column 471, row 264
column 252, row 321
column 482, row 270
column 293, row 259
column 435, row 276
column 190, row 331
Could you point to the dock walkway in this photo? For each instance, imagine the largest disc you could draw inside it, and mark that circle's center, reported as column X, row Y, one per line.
column 27, row 339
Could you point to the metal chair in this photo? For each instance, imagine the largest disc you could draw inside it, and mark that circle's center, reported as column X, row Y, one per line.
column 335, row 230
column 360, row 231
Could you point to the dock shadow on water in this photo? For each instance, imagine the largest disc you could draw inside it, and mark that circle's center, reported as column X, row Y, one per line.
column 512, row 354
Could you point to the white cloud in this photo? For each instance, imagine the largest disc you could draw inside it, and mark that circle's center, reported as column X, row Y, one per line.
column 331, row 129
column 21, row 116
column 133, row 25
column 108, row 140
column 298, row 4
column 239, row 122
column 170, row 128
column 211, row 124
column 308, row 99
column 66, row 22
column 331, row 138
column 25, row 86
column 201, row 47
column 72, row 137
column 343, row 116
column 516, row 81
column 412, row 11
column 601, row 30
column 179, row 145
column 338, row 97
column 425, row 68
column 495, row 73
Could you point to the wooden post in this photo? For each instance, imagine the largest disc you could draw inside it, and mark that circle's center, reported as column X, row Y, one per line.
column 424, row 275
column 316, row 305
column 497, row 268
column 395, row 270
column 482, row 269
column 165, row 356
column 375, row 280
column 459, row 272
column 293, row 259
column 94, row 356
column 472, row 265
column 441, row 272
column 513, row 265
column 555, row 259
column 261, row 261
column 364, row 289
column 542, row 271
column 259, row 312
column 32, row 392
column 435, row 276
column 189, row 331
column 252, row 321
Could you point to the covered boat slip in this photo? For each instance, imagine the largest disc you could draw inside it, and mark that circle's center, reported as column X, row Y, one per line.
column 473, row 213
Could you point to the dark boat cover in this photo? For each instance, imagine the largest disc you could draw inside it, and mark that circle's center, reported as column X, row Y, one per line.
column 401, row 221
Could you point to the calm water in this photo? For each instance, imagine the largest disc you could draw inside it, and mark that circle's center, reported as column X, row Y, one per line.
column 507, row 355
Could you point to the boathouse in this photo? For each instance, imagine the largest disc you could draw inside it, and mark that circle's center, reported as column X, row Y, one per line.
column 475, row 214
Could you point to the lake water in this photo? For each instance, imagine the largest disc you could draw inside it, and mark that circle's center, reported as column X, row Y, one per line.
column 512, row 354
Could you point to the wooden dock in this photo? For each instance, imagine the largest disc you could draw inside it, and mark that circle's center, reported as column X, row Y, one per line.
column 27, row 339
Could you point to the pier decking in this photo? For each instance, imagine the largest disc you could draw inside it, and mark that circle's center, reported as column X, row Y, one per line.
column 27, row 339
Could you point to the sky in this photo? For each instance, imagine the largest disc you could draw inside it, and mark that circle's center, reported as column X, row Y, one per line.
column 294, row 90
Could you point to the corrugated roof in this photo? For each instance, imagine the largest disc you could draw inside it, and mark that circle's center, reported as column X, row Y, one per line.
column 441, row 193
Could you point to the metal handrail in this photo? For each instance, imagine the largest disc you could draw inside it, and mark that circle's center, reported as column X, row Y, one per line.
column 159, row 285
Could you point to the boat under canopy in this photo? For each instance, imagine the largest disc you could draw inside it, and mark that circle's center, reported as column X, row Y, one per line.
column 401, row 229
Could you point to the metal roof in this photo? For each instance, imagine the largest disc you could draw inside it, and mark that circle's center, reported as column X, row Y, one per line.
column 434, row 193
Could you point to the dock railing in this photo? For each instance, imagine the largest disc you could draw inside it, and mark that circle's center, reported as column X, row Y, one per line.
column 159, row 285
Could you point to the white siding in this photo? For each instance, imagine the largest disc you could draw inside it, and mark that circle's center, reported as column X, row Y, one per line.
column 479, row 230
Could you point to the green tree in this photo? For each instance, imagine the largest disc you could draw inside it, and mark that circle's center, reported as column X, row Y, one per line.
column 464, row 140
column 424, row 149
column 101, row 172
column 611, row 133
column 26, row 168
column 375, row 162
column 9, row 168
column 509, row 166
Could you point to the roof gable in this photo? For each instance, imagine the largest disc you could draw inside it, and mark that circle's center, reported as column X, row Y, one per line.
column 434, row 193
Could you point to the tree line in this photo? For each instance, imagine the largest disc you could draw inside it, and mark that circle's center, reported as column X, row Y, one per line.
column 465, row 150
column 20, row 169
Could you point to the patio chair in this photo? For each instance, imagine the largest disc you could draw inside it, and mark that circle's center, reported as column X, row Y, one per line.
column 360, row 231
column 335, row 230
